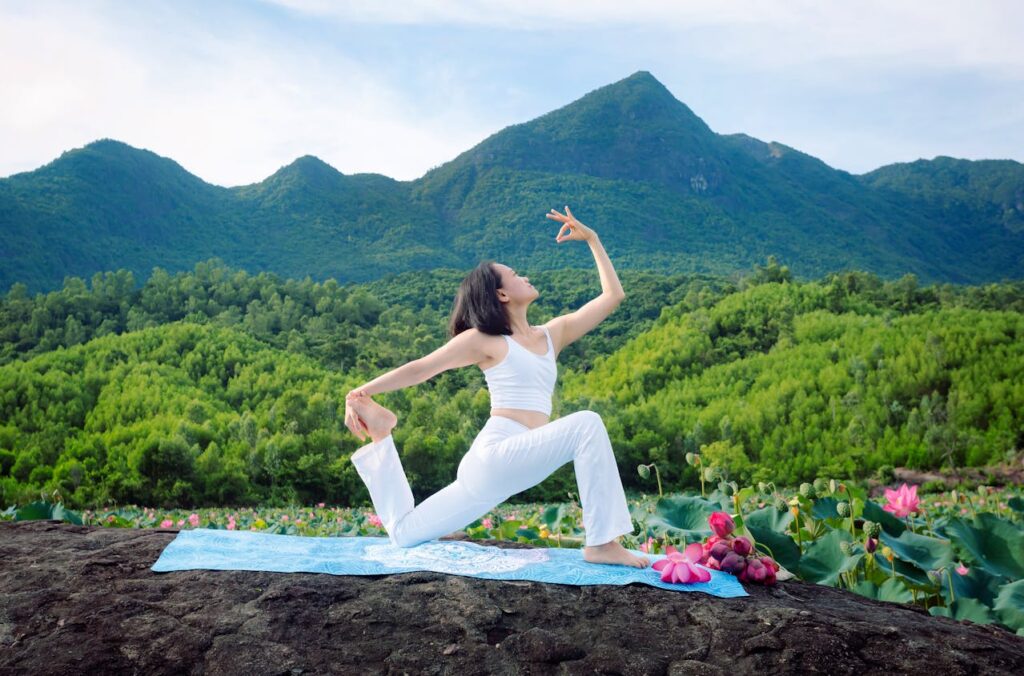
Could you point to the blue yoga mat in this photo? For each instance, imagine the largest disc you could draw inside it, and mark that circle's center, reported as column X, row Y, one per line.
column 211, row 549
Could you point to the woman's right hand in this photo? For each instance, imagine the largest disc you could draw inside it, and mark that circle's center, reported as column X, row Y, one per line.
column 356, row 392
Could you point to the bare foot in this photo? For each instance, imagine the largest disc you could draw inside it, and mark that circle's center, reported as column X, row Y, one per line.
column 613, row 552
column 379, row 420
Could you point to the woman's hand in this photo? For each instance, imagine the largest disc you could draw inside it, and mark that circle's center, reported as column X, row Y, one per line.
column 356, row 392
column 576, row 229
column 353, row 422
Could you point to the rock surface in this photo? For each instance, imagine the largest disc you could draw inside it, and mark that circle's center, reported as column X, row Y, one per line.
column 83, row 600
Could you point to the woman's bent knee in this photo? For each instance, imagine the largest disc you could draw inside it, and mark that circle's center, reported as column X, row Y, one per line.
column 590, row 417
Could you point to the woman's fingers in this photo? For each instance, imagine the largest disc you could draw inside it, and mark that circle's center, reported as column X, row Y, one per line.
column 355, row 424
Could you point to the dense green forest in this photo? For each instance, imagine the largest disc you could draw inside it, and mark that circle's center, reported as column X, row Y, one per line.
column 219, row 387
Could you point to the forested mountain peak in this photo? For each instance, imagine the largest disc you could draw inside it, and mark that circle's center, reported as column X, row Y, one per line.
column 631, row 129
column 106, row 162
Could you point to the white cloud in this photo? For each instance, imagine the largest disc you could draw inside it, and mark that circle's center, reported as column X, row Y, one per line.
column 232, row 107
column 763, row 33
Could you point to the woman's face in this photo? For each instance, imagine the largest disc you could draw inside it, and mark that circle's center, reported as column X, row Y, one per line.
column 514, row 287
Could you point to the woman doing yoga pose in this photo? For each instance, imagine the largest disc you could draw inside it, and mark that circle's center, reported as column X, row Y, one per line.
column 519, row 446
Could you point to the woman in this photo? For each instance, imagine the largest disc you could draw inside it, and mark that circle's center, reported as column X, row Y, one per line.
column 518, row 446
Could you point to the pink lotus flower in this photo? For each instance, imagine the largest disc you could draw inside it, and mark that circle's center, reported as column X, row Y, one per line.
column 193, row 519
column 166, row 523
column 681, row 567
column 284, row 518
column 374, row 519
column 962, row 569
column 231, row 522
column 902, row 501
column 647, row 547
column 181, row 522
column 487, row 523
column 320, row 504
column 721, row 523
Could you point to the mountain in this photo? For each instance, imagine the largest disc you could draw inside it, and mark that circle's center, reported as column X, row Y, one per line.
column 663, row 190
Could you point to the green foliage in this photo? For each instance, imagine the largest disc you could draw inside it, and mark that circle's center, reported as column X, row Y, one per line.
column 217, row 387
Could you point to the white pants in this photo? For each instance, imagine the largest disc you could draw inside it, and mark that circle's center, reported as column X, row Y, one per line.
column 505, row 458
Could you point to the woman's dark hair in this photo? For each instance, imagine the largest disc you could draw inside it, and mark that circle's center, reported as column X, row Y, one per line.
column 477, row 305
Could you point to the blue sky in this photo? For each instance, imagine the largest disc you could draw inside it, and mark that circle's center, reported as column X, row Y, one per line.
column 235, row 90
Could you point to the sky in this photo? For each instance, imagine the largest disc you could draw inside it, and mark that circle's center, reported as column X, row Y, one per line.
column 234, row 90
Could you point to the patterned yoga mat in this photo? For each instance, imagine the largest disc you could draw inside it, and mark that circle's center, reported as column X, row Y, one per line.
column 213, row 549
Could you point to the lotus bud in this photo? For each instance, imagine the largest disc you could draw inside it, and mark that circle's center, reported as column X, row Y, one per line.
column 954, row 496
column 733, row 563
column 691, row 459
column 721, row 523
column 872, row 528
column 807, row 490
column 843, row 509
column 846, row 547
column 644, row 471
column 742, row 545
column 720, row 550
column 870, row 544
column 832, row 485
column 756, row 570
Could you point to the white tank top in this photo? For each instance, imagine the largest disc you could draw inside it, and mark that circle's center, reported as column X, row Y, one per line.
column 523, row 379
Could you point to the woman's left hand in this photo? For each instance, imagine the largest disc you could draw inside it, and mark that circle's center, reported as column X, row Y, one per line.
column 576, row 229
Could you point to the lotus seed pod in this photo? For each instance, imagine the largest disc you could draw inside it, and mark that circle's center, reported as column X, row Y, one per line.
column 807, row 490
column 644, row 471
column 843, row 509
column 709, row 473
column 762, row 487
column 846, row 547
column 820, row 485
column 691, row 459
column 780, row 504
column 727, row 488
column 872, row 528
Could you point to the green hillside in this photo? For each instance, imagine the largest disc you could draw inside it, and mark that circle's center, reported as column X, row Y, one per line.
column 665, row 192
column 218, row 387
column 788, row 382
